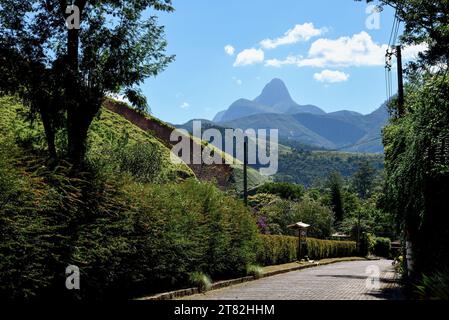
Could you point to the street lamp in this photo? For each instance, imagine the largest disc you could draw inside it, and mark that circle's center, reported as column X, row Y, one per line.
column 302, row 237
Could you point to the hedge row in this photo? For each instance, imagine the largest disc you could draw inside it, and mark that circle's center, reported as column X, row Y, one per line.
column 283, row 249
column 277, row 250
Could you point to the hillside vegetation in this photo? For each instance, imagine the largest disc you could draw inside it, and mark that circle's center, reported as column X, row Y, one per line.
column 312, row 167
column 130, row 221
column 228, row 177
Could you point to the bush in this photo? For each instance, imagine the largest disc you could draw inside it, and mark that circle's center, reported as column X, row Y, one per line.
column 434, row 287
column 278, row 214
column 277, row 250
column 284, row 190
column 367, row 242
column 323, row 249
column 254, row 271
column 201, row 281
column 283, row 249
column 382, row 247
column 127, row 238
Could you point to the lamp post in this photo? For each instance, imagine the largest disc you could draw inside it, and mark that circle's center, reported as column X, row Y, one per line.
column 302, row 237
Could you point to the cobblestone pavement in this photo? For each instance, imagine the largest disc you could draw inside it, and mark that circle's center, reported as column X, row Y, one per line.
column 340, row 281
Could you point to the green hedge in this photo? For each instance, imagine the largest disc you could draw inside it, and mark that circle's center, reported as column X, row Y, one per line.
column 128, row 239
column 382, row 247
column 277, row 250
column 283, row 249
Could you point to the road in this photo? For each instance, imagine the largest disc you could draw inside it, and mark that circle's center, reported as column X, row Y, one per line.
column 357, row 280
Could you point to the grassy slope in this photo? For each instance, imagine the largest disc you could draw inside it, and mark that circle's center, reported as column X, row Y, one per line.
column 105, row 129
column 254, row 177
column 110, row 126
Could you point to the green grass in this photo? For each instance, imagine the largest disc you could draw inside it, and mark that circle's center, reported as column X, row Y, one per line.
column 105, row 131
column 109, row 127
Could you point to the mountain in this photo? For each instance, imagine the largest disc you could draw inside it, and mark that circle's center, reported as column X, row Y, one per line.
column 275, row 98
column 274, row 108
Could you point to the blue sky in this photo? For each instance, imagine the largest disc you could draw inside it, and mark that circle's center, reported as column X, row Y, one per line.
column 329, row 58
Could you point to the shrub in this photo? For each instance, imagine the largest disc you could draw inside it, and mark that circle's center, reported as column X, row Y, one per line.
column 201, row 281
column 279, row 214
column 288, row 191
column 254, row 271
column 283, row 249
column 382, row 247
column 367, row 242
column 434, row 287
column 322, row 249
column 277, row 250
column 127, row 238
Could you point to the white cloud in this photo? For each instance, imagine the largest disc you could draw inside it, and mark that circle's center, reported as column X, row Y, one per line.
column 184, row 105
column 411, row 52
column 249, row 57
column 279, row 63
column 230, row 50
column 357, row 51
column 300, row 32
column 330, row 76
column 237, row 81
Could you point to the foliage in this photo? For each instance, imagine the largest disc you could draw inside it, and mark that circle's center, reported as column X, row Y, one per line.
column 284, row 249
column 434, row 287
column 110, row 136
column 278, row 214
column 382, row 247
column 334, row 184
column 425, row 22
column 310, row 168
column 322, row 249
column 318, row 216
column 417, row 170
column 369, row 217
column 64, row 73
column 363, row 180
column 255, row 271
column 367, row 243
column 201, row 281
column 277, row 250
column 127, row 237
column 284, row 190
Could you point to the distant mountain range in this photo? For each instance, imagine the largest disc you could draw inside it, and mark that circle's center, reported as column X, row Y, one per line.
column 308, row 124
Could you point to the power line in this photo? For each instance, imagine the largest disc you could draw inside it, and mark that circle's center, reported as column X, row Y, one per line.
column 389, row 54
column 358, row 143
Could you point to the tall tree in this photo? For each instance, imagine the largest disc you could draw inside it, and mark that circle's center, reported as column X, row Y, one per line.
column 335, row 185
column 64, row 57
column 426, row 22
column 363, row 179
column 416, row 144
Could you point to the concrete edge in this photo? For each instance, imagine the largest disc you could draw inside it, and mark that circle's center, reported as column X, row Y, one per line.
column 227, row 283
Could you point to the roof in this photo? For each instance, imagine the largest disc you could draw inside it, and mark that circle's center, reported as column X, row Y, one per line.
column 299, row 225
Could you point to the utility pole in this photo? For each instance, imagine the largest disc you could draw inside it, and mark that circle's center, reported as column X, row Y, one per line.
column 401, row 108
column 245, row 172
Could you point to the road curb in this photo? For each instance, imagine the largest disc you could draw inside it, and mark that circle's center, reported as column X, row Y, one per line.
column 227, row 283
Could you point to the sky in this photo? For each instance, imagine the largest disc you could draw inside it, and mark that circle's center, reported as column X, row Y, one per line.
column 329, row 53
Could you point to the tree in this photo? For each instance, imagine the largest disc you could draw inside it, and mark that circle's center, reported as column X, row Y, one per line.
column 417, row 172
column 334, row 184
column 63, row 70
column 288, row 191
column 425, row 22
column 363, row 179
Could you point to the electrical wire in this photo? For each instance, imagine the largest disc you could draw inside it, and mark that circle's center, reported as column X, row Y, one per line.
column 358, row 144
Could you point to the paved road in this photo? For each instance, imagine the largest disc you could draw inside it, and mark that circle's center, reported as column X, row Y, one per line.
column 340, row 281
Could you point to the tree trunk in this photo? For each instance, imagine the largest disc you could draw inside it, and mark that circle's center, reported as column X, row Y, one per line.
column 78, row 123
column 49, row 133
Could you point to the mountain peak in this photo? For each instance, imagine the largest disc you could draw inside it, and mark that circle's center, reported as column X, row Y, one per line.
column 274, row 93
